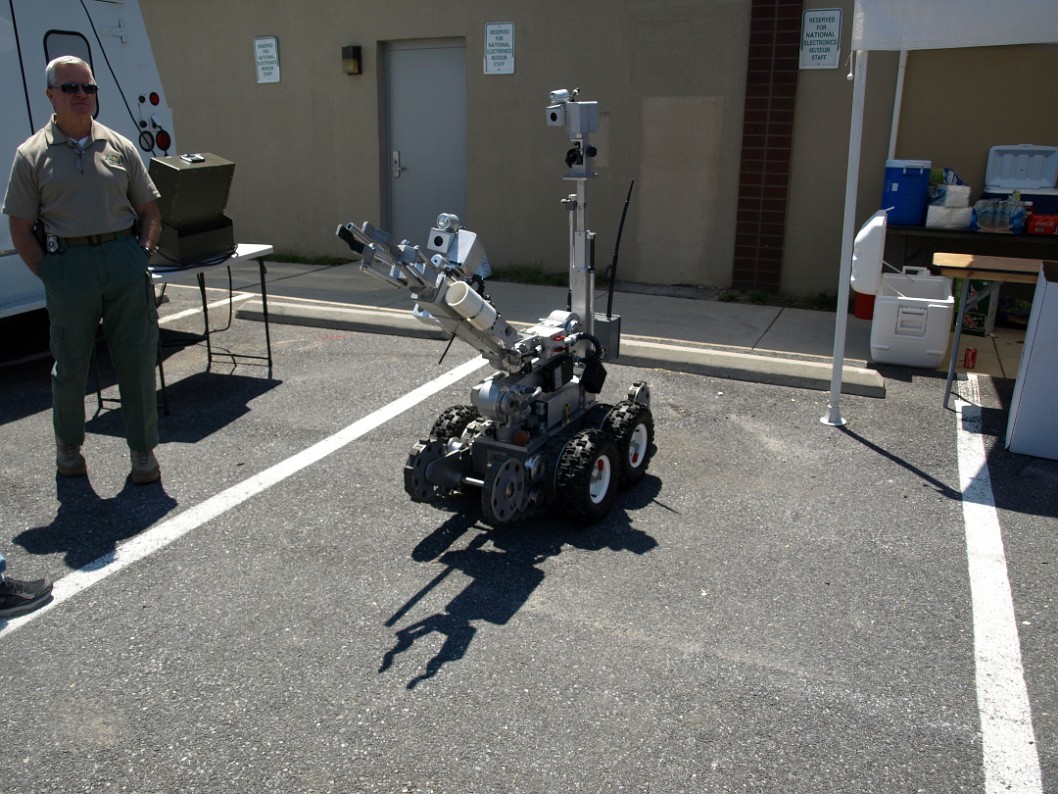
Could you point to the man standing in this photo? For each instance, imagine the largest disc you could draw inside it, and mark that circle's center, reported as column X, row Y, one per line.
column 98, row 220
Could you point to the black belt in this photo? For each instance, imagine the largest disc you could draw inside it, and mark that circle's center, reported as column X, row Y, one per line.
column 96, row 239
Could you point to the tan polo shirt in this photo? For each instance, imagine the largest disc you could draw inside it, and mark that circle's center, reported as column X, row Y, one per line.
column 77, row 193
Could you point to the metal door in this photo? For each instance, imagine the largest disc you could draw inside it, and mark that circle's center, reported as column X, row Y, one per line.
column 427, row 124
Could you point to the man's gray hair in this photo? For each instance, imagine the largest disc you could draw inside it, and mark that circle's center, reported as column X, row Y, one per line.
column 63, row 60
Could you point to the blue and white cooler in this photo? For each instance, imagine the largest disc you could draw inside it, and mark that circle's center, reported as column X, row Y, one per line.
column 906, row 191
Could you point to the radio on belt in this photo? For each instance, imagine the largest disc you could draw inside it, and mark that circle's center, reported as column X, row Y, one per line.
column 534, row 434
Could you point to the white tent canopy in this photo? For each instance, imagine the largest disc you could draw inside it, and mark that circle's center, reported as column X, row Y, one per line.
column 918, row 25
column 942, row 24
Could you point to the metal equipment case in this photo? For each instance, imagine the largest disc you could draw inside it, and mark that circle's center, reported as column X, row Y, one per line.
column 194, row 190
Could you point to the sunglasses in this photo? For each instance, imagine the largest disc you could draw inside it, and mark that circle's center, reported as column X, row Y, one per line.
column 71, row 88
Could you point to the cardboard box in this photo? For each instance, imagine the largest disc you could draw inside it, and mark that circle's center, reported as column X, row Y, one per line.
column 1042, row 224
column 981, row 319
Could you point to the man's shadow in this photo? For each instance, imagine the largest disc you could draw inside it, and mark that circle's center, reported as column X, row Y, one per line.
column 88, row 527
column 502, row 566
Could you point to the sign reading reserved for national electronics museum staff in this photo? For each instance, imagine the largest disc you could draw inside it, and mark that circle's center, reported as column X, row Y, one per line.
column 266, row 55
column 821, row 38
column 499, row 48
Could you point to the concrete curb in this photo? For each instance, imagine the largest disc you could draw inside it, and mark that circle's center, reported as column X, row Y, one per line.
column 346, row 318
column 773, row 370
column 635, row 352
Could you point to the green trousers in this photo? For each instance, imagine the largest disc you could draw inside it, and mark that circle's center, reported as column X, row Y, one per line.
column 108, row 282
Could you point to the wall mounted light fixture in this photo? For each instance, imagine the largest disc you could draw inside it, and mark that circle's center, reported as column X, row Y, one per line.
column 351, row 59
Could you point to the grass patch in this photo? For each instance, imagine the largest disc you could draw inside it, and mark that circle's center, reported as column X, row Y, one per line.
column 824, row 301
column 530, row 274
column 300, row 259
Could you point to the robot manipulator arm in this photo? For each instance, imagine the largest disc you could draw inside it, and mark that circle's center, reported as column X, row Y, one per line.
column 444, row 296
column 460, row 247
column 402, row 266
column 346, row 233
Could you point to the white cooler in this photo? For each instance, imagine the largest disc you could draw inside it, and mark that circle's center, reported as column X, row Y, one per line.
column 912, row 318
column 1031, row 170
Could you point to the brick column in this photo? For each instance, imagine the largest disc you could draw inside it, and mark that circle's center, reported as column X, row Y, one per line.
column 767, row 140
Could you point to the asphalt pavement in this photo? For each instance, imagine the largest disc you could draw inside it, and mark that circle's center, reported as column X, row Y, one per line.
column 779, row 606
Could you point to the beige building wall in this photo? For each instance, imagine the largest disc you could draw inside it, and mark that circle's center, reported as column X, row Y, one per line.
column 669, row 76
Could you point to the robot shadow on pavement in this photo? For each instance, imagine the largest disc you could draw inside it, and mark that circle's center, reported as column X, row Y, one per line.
column 503, row 567
column 534, row 435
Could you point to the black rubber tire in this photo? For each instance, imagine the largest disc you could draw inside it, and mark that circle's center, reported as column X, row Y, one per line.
column 586, row 476
column 416, row 485
column 453, row 421
column 597, row 415
column 632, row 426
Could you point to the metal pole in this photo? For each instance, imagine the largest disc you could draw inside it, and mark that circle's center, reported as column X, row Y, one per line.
column 859, row 93
column 898, row 100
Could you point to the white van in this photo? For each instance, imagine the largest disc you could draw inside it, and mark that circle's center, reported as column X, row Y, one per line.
column 109, row 35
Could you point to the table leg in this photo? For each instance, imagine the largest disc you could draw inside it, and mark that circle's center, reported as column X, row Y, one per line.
column 963, row 295
column 264, row 308
column 205, row 318
column 161, row 377
column 965, row 304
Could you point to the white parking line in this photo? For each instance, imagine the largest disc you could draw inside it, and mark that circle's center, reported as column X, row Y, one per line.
column 1011, row 761
column 166, row 532
column 241, row 296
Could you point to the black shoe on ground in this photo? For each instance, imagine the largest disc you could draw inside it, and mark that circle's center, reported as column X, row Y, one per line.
column 18, row 597
column 69, row 460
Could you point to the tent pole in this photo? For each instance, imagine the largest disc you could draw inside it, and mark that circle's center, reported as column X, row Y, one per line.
column 898, row 100
column 859, row 92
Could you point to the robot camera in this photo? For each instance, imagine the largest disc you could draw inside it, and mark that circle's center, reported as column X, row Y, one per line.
column 556, row 116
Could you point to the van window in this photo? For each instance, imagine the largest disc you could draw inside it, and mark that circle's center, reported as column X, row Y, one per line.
column 63, row 42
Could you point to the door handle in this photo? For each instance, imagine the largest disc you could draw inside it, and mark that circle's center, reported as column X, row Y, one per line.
column 394, row 160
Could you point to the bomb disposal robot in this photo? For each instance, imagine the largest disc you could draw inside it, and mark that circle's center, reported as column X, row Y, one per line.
column 534, row 435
